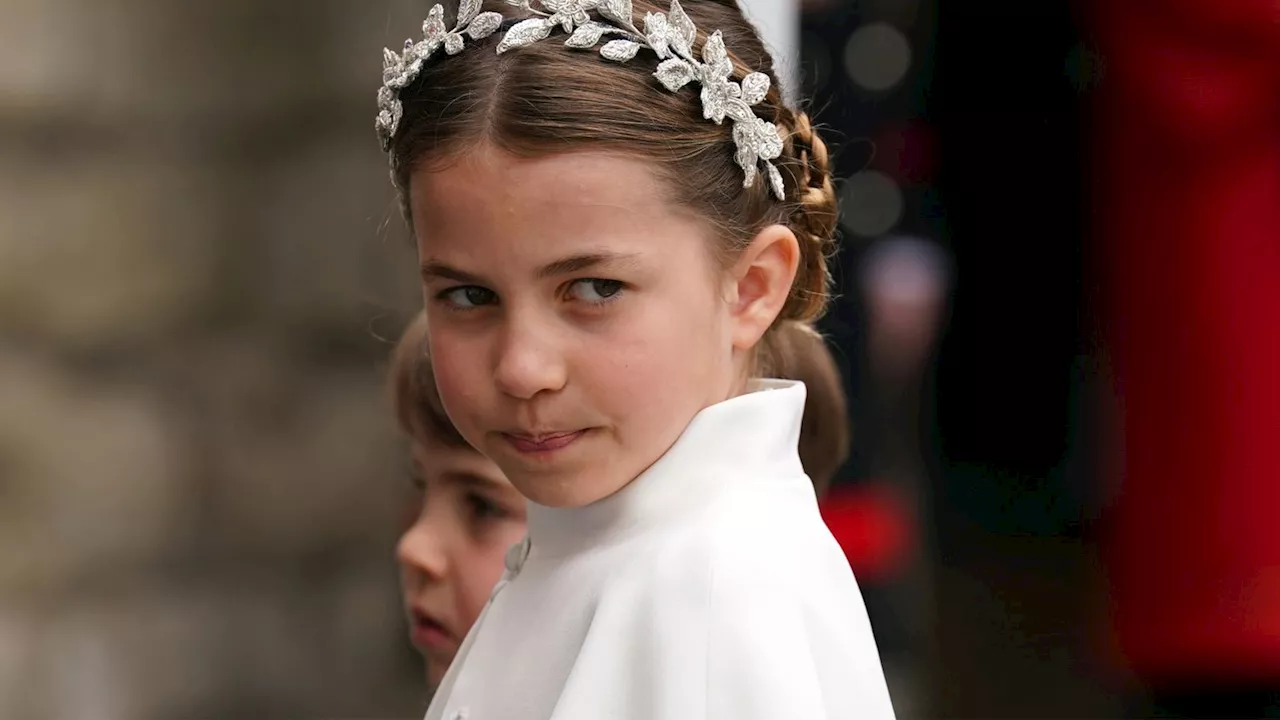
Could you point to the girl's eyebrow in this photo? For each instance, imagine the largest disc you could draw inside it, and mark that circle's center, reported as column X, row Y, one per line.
column 585, row 261
column 436, row 270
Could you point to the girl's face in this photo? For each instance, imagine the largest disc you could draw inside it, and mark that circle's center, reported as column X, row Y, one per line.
column 452, row 555
column 577, row 318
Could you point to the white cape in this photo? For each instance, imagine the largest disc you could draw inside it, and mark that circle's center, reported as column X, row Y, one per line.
column 709, row 587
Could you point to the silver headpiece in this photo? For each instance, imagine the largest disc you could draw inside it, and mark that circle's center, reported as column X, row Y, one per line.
column 669, row 35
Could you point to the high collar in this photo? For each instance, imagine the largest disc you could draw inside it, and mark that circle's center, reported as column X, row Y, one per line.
column 753, row 435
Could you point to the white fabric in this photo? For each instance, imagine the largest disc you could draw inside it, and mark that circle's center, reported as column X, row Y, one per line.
column 707, row 588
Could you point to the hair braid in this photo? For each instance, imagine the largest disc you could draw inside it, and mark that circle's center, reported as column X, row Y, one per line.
column 813, row 218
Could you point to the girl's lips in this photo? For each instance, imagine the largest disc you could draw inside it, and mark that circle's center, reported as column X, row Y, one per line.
column 543, row 444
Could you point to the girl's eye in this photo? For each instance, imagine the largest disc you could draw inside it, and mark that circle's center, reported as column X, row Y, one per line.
column 595, row 290
column 468, row 296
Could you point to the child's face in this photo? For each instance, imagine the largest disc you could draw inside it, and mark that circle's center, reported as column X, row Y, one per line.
column 452, row 556
column 577, row 318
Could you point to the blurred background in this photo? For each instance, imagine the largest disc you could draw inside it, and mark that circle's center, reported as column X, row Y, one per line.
column 1060, row 287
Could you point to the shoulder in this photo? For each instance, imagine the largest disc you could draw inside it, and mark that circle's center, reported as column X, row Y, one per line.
column 752, row 608
column 787, row 631
column 763, row 556
column 769, row 534
column 761, row 534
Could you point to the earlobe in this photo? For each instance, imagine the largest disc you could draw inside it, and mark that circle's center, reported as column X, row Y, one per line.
column 763, row 282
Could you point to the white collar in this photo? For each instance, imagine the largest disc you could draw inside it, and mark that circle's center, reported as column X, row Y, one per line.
column 755, row 434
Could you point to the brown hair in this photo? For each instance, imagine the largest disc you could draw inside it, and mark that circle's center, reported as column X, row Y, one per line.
column 545, row 98
column 412, row 386
column 800, row 353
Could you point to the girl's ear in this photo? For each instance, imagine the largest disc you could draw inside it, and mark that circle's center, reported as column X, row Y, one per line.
column 760, row 284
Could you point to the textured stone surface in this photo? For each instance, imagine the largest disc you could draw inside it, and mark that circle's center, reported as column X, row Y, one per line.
column 207, row 64
column 18, row 679
column 200, row 483
column 105, row 250
column 353, row 30
column 311, row 469
column 92, row 477
column 332, row 246
column 134, row 656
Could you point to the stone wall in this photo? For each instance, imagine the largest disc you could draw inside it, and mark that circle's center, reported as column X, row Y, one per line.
column 200, row 258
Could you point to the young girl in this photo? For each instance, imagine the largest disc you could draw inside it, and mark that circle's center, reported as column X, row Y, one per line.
column 451, row 556
column 609, row 235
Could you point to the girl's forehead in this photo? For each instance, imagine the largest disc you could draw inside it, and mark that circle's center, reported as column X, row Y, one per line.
column 491, row 182
column 495, row 213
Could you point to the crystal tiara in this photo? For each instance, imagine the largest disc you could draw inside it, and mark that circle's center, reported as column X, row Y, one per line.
column 670, row 36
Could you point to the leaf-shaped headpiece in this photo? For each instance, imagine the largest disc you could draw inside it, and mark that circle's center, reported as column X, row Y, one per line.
column 668, row 35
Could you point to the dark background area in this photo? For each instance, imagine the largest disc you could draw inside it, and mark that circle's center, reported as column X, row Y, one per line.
column 986, row 137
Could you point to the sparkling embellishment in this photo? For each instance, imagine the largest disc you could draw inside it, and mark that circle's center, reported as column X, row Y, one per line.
column 620, row 50
column 525, row 32
column 468, row 10
column 400, row 70
column 570, row 13
column 674, row 73
column 669, row 35
column 587, row 35
column 484, row 26
column 618, row 11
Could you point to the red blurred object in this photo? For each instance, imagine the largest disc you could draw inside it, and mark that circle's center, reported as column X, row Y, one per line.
column 1189, row 212
column 908, row 152
column 873, row 526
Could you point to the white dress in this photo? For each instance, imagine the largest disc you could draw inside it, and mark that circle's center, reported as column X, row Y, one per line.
column 709, row 587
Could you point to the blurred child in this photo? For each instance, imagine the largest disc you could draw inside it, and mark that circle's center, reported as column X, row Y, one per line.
column 451, row 557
